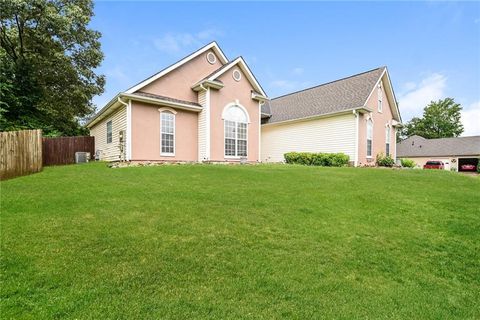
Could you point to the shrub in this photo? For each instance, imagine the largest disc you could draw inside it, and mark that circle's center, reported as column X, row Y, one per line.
column 384, row 161
column 478, row 166
column 407, row 163
column 317, row 159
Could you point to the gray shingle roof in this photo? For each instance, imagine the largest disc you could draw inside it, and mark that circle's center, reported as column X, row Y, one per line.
column 417, row 146
column 340, row 95
column 156, row 96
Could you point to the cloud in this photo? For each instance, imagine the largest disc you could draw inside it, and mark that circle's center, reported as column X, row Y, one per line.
column 417, row 95
column 117, row 74
column 471, row 119
column 297, row 71
column 288, row 85
column 178, row 42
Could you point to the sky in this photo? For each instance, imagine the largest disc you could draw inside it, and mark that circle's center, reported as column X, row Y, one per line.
column 431, row 49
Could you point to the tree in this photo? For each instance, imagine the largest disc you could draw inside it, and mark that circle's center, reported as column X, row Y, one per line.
column 48, row 58
column 441, row 119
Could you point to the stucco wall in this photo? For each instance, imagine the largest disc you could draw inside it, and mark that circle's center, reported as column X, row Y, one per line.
column 146, row 134
column 231, row 92
column 177, row 83
column 380, row 119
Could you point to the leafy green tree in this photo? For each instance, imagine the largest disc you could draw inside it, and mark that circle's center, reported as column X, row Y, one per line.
column 441, row 119
column 48, row 57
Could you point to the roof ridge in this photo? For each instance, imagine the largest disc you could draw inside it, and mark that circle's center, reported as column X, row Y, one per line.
column 330, row 82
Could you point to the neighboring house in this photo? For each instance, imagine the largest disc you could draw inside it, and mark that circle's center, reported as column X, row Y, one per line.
column 202, row 108
column 453, row 152
column 357, row 115
column 207, row 108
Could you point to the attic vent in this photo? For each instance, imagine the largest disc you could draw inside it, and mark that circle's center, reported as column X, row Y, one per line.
column 237, row 75
column 211, row 58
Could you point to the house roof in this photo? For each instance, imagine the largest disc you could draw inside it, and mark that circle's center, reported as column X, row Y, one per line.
column 212, row 45
column 165, row 98
column 329, row 98
column 416, row 146
column 156, row 99
column 246, row 70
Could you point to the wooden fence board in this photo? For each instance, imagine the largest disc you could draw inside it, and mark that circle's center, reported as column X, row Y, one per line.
column 61, row 150
column 20, row 153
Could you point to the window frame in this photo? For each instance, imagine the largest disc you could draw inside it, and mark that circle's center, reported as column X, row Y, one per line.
column 369, row 138
column 173, row 115
column 109, row 134
column 236, row 125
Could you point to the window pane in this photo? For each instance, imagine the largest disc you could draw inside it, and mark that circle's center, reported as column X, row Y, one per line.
column 235, row 113
column 167, row 143
column 387, row 149
column 230, row 147
column 109, row 131
column 242, row 131
column 230, row 129
column 242, row 148
column 369, row 147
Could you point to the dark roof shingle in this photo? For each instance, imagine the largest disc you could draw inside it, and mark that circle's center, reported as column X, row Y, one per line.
column 340, row 95
column 156, row 96
column 416, row 146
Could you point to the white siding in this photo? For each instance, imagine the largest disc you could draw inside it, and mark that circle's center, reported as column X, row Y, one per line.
column 202, row 126
column 331, row 135
column 110, row 151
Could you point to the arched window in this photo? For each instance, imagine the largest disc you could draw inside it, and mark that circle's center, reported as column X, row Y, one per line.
column 167, row 132
column 369, row 137
column 235, row 128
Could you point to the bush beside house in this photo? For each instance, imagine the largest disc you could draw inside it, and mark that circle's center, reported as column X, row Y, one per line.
column 407, row 163
column 317, row 159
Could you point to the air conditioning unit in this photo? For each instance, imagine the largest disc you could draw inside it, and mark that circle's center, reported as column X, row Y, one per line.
column 82, row 157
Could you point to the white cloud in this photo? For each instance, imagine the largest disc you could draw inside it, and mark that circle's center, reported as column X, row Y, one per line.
column 417, row 95
column 288, row 85
column 176, row 42
column 297, row 71
column 471, row 119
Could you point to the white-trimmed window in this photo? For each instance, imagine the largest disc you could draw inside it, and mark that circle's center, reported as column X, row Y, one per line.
column 167, row 131
column 380, row 98
column 369, row 137
column 387, row 140
column 235, row 128
column 109, row 131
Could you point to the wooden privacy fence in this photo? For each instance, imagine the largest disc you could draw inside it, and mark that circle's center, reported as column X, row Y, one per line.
column 61, row 150
column 20, row 153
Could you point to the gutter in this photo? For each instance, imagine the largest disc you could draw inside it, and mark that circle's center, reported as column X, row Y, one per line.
column 117, row 100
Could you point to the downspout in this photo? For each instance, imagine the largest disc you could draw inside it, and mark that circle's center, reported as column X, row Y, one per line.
column 357, row 117
column 126, row 143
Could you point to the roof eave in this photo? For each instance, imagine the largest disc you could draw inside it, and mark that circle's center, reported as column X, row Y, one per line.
column 115, row 103
column 202, row 85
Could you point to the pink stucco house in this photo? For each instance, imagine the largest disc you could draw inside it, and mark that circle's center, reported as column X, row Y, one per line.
column 206, row 108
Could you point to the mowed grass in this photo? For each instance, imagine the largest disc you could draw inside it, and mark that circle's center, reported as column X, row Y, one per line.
column 240, row 242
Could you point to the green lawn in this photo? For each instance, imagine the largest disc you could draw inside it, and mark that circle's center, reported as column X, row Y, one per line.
column 249, row 242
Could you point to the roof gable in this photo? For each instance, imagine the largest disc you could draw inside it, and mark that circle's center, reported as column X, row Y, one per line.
column 388, row 87
column 240, row 62
column 213, row 46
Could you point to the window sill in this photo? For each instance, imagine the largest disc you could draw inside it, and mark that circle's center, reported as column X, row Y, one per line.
column 167, row 154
